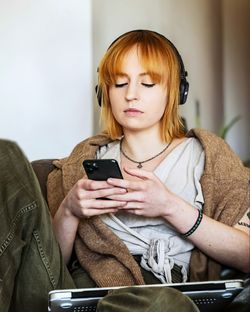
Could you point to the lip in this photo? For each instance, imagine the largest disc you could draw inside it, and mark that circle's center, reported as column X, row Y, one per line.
column 132, row 112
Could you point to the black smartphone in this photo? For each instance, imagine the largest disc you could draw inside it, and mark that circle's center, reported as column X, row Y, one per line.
column 102, row 169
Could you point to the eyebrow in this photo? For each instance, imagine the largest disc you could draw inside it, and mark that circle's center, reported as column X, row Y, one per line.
column 126, row 75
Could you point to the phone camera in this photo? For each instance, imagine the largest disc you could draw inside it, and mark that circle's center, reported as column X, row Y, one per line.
column 91, row 167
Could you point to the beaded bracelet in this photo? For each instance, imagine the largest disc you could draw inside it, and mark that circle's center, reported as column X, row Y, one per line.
column 195, row 226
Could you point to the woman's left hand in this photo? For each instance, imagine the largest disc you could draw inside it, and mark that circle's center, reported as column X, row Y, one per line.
column 147, row 196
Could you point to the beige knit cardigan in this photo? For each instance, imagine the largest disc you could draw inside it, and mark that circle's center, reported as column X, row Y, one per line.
column 226, row 189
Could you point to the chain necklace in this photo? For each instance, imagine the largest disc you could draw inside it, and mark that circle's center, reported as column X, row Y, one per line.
column 144, row 161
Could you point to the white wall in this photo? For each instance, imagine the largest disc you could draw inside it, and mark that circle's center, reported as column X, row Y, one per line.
column 45, row 75
column 236, row 60
column 47, row 66
column 194, row 26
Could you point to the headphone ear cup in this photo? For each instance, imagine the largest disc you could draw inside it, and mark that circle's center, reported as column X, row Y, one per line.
column 98, row 91
column 184, row 87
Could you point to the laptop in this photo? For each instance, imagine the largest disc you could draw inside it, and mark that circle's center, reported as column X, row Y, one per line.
column 208, row 296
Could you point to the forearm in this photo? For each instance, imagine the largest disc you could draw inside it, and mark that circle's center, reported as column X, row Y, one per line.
column 225, row 244
column 65, row 226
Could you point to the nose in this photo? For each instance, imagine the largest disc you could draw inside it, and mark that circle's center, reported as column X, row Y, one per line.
column 132, row 92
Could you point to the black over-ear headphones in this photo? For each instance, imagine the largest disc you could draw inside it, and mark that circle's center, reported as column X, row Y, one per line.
column 184, row 85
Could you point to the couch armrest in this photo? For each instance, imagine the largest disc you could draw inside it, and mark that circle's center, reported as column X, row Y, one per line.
column 42, row 168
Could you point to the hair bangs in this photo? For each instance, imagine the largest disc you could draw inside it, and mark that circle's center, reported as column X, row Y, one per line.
column 154, row 64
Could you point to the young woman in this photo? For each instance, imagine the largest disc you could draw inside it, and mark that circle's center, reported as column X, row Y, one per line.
column 180, row 193
column 161, row 224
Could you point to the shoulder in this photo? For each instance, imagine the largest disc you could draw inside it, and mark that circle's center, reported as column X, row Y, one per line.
column 94, row 141
column 84, row 149
column 188, row 146
column 219, row 156
column 205, row 137
column 211, row 143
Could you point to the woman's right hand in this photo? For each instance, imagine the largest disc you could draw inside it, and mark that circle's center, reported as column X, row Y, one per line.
column 84, row 199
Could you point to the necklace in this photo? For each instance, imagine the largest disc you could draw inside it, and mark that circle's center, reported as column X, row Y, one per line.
column 144, row 161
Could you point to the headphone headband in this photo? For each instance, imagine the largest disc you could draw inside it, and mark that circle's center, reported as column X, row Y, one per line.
column 184, row 85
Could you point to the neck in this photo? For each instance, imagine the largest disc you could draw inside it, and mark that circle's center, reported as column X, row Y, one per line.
column 141, row 146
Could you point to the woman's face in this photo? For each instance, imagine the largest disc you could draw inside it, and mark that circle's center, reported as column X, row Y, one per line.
column 137, row 102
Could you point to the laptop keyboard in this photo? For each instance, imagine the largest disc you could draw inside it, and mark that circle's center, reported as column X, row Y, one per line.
column 204, row 301
column 85, row 309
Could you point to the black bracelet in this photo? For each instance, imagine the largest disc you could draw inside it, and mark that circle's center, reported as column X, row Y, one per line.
column 195, row 226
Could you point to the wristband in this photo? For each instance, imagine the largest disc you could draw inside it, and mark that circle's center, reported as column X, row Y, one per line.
column 195, row 226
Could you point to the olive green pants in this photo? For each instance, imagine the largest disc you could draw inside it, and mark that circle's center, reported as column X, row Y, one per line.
column 30, row 260
column 31, row 263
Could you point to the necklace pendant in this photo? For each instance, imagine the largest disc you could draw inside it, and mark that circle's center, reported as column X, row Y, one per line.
column 144, row 161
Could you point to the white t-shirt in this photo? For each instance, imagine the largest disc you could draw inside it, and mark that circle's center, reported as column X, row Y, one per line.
column 153, row 238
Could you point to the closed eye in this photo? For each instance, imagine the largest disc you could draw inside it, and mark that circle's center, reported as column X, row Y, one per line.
column 120, row 85
column 148, row 85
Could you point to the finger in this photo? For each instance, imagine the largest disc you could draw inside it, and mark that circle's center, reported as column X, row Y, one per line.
column 88, row 184
column 126, row 184
column 137, row 212
column 129, row 197
column 106, row 192
column 139, row 173
column 96, row 212
column 101, row 204
column 132, row 206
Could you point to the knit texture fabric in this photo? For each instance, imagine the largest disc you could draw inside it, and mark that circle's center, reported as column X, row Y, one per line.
column 225, row 186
